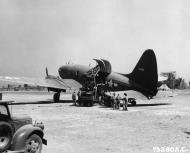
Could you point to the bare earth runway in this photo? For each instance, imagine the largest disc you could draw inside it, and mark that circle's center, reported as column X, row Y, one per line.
column 160, row 122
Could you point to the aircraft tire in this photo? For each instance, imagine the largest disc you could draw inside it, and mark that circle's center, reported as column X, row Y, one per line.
column 56, row 97
column 133, row 103
column 6, row 135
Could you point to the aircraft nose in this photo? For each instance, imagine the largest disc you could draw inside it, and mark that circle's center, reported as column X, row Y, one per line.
column 60, row 69
column 63, row 72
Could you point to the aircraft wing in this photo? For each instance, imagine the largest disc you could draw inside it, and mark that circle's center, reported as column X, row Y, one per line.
column 48, row 82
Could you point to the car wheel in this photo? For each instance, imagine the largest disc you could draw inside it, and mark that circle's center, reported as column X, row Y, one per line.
column 5, row 136
column 33, row 144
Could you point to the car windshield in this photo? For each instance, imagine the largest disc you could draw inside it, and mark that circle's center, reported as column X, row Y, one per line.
column 3, row 110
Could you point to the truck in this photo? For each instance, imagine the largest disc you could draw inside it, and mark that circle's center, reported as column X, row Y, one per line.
column 19, row 134
column 86, row 98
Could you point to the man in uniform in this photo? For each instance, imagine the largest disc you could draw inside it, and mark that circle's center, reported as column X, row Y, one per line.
column 74, row 97
column 118, row 98
column 114, row 103
column 125, row 102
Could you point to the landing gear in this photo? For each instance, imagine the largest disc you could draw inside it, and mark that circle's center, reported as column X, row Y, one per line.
column 56, row 97
column 133, row 103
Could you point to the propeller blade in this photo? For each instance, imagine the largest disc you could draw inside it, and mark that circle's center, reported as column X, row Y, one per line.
column 46, row 71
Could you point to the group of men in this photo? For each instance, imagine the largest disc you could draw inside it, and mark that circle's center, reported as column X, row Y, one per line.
column 116, row 100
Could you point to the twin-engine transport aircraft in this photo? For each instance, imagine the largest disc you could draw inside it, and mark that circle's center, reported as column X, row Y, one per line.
column 144, row 77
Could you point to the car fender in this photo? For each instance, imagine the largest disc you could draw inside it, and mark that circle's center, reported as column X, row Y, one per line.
column 21, row 135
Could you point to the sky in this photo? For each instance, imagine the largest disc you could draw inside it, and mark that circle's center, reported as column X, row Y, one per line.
column 39, row 33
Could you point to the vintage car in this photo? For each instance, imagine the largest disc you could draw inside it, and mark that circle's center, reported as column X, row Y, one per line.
column 19, row 134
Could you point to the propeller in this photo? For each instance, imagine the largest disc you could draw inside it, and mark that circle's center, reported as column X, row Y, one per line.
column 47, row 76
column 46, row 71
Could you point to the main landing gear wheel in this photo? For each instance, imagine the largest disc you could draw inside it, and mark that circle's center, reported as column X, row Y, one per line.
column 33, row 144
column 5, row 136
column 133, row 102
column 56, row 97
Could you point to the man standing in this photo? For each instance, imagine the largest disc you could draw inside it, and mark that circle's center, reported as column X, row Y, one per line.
column 118, row 98
column 114, row 101
column 125, row 102
column 74, row 97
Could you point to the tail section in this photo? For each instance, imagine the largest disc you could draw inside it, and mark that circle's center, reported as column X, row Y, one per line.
column 144, row 77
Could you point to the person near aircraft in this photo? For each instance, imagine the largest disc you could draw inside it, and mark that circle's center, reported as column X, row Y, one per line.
column 125, row 102
column 95, row 92
column 79, row 93
column 102, row 95
column 74, row 97
column 118, row 99
column 114, row 101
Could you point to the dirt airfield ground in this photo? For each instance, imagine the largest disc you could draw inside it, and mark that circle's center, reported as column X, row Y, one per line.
column 161, row 122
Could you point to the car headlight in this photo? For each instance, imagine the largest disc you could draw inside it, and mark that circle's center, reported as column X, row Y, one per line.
column 39, row 124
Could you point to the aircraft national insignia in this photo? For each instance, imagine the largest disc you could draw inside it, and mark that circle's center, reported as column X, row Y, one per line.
column 112, row 84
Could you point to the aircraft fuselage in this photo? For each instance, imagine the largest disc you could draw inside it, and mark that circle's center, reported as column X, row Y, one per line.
column 143, row 78
column 114, row 80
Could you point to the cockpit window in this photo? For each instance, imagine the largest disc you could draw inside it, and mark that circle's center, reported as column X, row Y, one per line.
column 3, row 110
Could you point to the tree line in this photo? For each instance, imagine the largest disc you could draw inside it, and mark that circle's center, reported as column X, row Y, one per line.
column 174, row 82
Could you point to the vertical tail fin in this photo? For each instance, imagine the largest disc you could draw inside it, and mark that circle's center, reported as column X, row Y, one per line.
column 145, row 74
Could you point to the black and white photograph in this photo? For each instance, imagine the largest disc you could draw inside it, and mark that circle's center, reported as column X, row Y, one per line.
column 94, row 76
